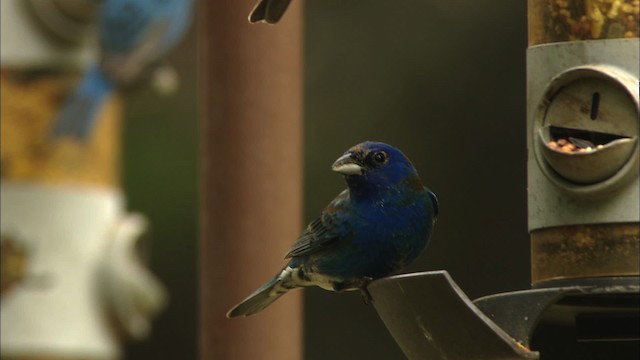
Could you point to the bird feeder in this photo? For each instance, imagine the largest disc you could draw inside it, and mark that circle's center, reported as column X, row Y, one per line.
column 72, row 285
column 583, row 92
column 583, row 199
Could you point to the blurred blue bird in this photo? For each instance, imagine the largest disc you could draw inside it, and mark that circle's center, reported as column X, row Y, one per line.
column 377, row 226
column 132, row 34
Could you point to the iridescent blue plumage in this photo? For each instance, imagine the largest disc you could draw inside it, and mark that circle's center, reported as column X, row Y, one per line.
column 132, row 34
column 381, row 223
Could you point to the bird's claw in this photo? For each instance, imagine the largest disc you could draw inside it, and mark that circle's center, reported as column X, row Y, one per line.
column 364, row 292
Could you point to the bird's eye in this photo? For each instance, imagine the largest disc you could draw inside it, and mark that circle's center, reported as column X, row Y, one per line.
column 380, row 157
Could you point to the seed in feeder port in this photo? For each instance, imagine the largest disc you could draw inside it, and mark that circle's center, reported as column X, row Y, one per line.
column 573, row 145
column 554, row 145
column 568, row 148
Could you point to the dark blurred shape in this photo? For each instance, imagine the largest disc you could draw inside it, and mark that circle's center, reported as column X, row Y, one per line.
column 269, row 11
column 595, row 322
column 604, row 311
column 14, row 264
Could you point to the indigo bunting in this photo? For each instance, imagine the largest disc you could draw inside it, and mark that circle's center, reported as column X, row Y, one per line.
column 132, row 34
column 269, row 11
column 377, row 226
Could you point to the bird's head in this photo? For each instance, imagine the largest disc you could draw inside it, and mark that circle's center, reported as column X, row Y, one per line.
column 376, row 165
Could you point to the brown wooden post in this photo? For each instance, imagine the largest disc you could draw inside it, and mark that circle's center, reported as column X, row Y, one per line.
column 251, row 98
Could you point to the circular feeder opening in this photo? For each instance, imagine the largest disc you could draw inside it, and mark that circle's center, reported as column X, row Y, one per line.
column 586, row 133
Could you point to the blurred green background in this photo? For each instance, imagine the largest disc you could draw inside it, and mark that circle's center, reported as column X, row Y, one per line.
column 444, row 80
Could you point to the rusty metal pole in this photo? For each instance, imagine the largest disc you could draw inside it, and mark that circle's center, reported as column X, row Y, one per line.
column 251, row 98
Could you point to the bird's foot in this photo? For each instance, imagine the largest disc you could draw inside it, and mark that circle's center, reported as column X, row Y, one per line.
column 366, row 296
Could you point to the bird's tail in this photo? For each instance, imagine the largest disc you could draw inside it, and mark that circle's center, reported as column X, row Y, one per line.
column 264, row 296
column 78, row 114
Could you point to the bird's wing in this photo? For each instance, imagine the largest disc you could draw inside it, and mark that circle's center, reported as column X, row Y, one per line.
column 324, row 230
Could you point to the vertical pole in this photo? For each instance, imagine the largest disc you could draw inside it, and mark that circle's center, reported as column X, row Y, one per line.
column 251, row 98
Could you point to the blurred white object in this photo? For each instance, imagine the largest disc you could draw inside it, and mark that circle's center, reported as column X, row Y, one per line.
column 28, row 38
column 166, row 80
column 130, row 292
column 80, row 265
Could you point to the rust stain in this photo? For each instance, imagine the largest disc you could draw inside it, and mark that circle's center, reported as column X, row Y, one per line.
column 583, row 251
column 13, row 264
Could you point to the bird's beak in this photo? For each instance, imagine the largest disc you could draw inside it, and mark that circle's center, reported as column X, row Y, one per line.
column 347, row 164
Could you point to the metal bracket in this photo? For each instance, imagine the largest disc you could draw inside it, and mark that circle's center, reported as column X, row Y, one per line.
column 430, row 317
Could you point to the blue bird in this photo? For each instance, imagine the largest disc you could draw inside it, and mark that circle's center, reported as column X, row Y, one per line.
column 132, row 34
column 376, row 227
column 269, row 11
